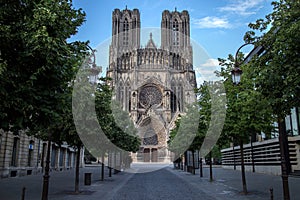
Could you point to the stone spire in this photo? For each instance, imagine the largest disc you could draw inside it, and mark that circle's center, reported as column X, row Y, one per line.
column 150, row 43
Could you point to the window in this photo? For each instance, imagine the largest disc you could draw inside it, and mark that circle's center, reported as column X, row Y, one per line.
column 43, row 154
column 61, row 157
column 150, row 137
column 125, row 32
column 175, row 33
column 150, row 95
column 15, row 150
column 53, row 156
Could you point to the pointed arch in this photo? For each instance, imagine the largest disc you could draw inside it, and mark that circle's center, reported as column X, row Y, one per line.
column 125, row 31
column 175, row 32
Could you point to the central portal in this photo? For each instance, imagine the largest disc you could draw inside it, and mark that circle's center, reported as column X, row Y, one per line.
column 150, row 155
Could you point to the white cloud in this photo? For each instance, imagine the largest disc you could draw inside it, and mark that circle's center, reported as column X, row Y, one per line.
column 210, row 63
column 242, row 7
column 211, row 22
column 206, row 71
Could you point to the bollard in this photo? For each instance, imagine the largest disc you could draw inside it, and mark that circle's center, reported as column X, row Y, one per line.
column 271, row 193
column 201, row 170
column 23, row 193
column 109, row 173
column 87, row 178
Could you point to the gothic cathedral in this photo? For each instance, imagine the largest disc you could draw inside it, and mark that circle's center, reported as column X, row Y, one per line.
column 153, row 84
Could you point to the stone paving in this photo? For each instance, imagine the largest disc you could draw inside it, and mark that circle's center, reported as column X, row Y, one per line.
column 150, row 182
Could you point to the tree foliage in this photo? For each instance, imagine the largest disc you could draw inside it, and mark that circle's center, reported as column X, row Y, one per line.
column 277, row 69
column 37, row 62
column 185, row 136
column 248, row 111
column 114, row 121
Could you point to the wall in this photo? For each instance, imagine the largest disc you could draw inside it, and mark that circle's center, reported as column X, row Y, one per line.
column 22, row 155
column 266, row 156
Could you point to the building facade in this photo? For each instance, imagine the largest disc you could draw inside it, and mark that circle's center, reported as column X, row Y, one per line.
column 153, row 84
column 22, row 155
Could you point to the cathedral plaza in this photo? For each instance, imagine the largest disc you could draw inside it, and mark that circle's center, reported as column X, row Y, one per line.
column 148, row 114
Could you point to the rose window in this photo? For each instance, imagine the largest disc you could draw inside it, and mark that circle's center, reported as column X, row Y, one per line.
column 150, row 95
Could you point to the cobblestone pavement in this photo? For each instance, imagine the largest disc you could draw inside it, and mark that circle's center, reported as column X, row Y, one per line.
column 150, row 182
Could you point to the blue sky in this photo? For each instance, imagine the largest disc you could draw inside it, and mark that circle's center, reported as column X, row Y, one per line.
column 218, row 26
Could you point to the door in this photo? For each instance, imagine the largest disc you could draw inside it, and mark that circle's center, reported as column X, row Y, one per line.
column 154, row 155
column 147, row 155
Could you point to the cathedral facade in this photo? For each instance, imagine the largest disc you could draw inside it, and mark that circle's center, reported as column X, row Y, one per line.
column 153, row 84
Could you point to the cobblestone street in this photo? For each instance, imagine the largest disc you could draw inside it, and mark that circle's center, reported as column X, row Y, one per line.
column 149, row 182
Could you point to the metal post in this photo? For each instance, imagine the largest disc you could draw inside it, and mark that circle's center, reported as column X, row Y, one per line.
column 23, row 193
column 109, row 174
column 109, row 164
column 102, row 167
column 193, row 156
column 200, row 167
column 243, row 167
column 234, row 164
column 271, row 194
column 38, row 154
column 210, row 167
column 252, row 156
column 47, row 169
column 284, row 169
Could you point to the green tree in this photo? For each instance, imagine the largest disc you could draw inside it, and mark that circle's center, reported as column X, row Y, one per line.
column 115, row 123
column 37, row 64
column 277, row 69
column 184, row 135
column 36, row 61
column 68, row 133
column 212, row 101
column 248, row 111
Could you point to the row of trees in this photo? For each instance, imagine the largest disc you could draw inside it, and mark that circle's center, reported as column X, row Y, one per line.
column 270, row 83
column 37, row 74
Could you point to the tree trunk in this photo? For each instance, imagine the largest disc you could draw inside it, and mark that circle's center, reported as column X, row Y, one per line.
column 47, row 169
column 210, row 167
column 243, row 167
column 77, row 170
column 283, row 143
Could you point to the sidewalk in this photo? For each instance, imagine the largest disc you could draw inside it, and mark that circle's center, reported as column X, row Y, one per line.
column 229, row 182
column 61, row 183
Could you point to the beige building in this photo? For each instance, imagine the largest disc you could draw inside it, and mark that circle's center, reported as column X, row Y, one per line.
column 22, row 155
column 154, row 84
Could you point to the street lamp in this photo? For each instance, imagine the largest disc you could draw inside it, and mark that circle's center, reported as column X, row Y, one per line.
column 236, row 74
column 94, row 70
